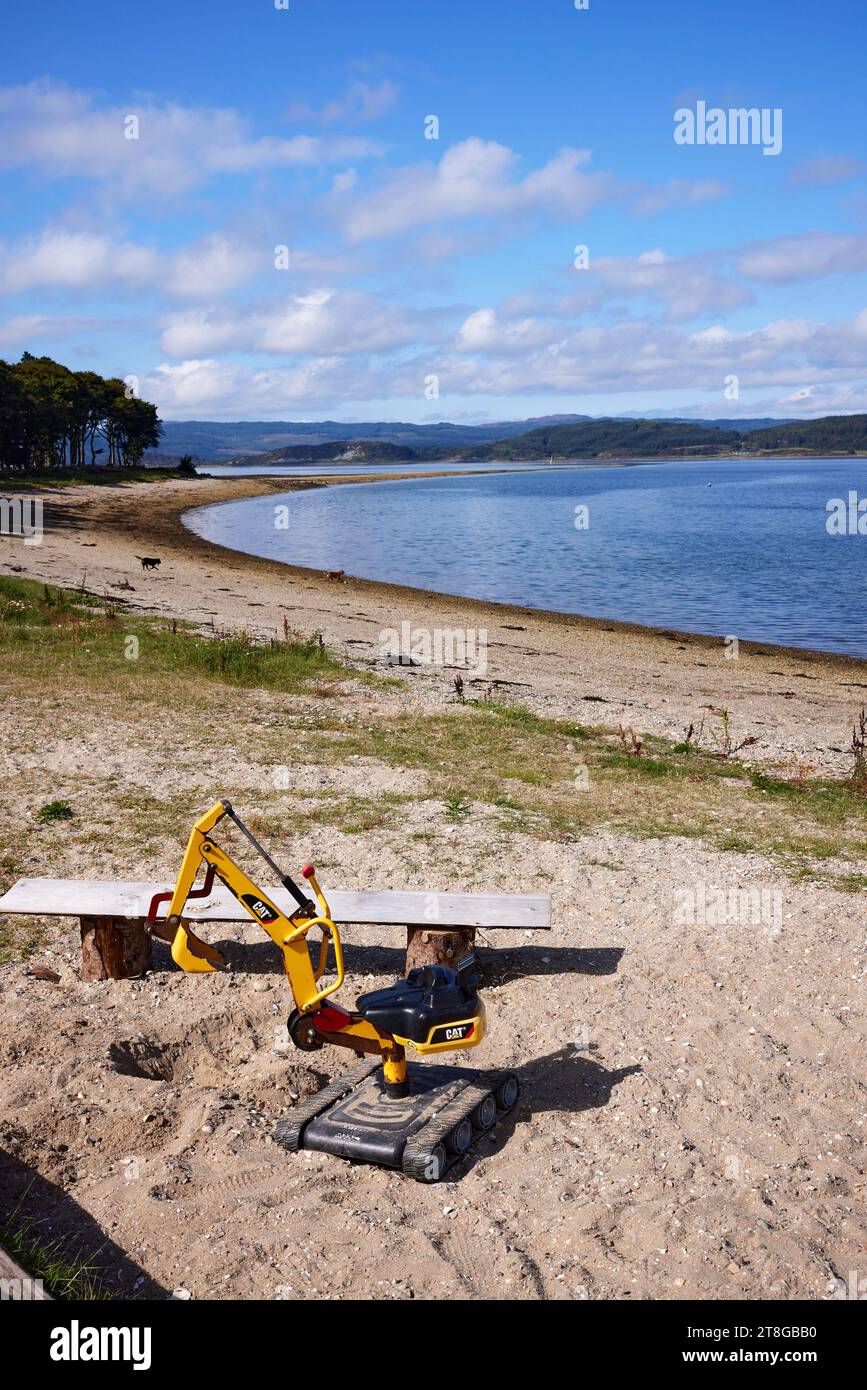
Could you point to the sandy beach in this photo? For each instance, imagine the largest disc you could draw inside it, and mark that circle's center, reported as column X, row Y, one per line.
column 791, row 701
column 692, row 1116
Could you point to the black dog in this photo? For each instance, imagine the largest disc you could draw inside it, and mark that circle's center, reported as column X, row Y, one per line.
column 148, row 562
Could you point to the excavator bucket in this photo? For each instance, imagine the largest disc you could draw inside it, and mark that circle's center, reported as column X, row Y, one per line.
column 192, row 954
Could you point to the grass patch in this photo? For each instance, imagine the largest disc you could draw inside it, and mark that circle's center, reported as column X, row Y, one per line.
column 66, row 1275
column 54, row 811
column 20, row 938
column 525, row 766
column 106, row 477
column 59, row 633
column 543, row 778
column 352, row 815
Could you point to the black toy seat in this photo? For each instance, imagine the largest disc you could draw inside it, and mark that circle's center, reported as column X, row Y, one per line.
column 430, row 996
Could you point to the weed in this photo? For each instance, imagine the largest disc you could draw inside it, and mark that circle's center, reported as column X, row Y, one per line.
column 858, row 775
column 53, row 811
column 65, row 1274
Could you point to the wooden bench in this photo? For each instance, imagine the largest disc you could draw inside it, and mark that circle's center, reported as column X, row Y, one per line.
column 115, row 943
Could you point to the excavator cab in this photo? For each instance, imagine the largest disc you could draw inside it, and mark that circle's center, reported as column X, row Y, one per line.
column 434, row 1009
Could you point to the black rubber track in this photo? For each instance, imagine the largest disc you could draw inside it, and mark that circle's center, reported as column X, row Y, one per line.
column 289, row 1132
column 419, row 1157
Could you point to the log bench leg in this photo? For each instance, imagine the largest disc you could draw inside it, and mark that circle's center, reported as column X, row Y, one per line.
column 431, row 946
column 114, row 948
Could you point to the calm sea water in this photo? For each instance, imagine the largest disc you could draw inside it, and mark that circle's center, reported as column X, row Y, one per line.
column 348, row 470
column 729, row 548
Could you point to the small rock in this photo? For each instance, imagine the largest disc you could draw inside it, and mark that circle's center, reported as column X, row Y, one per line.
column 181, row 1294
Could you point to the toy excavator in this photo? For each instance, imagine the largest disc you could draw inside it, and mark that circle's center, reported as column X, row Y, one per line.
column 419, row 1118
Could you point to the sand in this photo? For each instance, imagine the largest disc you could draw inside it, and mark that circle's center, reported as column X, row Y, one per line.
column 692, row 1116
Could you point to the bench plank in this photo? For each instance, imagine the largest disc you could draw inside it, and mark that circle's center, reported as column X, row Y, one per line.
column 70, row 897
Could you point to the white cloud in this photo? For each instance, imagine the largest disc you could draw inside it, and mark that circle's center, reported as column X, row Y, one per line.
column 60, row 133
column 324, row 321
column 815, row 400
column 228, row 390
column 21, row 333
column 485, row 331
column 480, row 178
column 213, row 266
column 493, row 359
column 75, row 260
column 807, row 256
column 477, row 178
column 72, row 260
column 826, row 170
column 678, row 193
column 361, row 102
column 639, row 354
column 686, row 285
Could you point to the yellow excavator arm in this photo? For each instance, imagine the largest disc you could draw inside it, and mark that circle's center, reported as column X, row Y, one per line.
column 289, row 933
column 440, row 1014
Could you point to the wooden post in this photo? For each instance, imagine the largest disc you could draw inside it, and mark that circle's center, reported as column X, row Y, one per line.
column 114, row 948
column 432, row 946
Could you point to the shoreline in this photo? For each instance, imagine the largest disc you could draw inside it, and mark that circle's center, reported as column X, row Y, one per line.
column 620, row 461
column 796, row 702
column 559, row 615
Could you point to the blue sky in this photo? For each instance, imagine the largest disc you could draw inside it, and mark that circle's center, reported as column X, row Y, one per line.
column 435, row 278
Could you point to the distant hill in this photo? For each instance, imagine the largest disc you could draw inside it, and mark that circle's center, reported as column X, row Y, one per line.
column 625, row 439
column 224, row 440
column 744, row 425
column 833, row 434
column 564, row 436
column 339, row 451
column 615, row 439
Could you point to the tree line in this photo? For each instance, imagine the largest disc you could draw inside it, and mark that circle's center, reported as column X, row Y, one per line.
column 612, row 438
column 51, row 417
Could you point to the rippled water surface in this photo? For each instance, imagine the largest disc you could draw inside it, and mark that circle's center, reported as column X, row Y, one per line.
column 732, row 548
